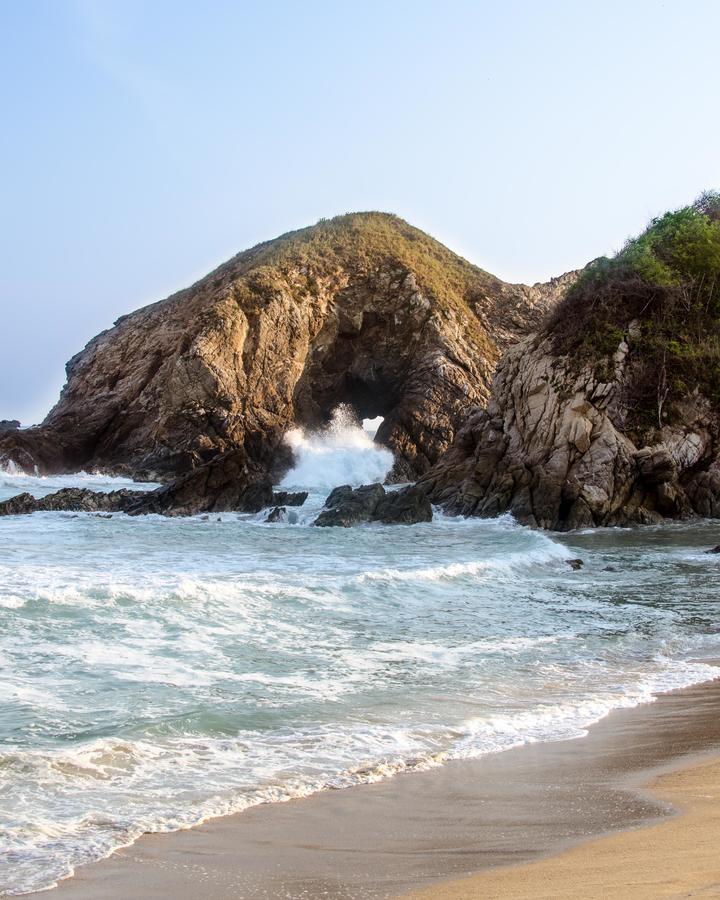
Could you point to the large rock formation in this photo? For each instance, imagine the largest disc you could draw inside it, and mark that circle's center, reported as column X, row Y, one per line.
column 611, row 414
column 363, row 310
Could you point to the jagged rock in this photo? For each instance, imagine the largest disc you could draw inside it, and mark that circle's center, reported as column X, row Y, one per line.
column 9, row 425
column 338, row 495
column 283, row 498
column 21, row 504
column 404, row 507
column 363, row 309
column 277, row 514
column 703, row 490
column 714, row 549
column 370, row 503
column 71, row 500
column 226, row 484
column 551, row 449
column 610, row 414
column 346, row 506
column 656, row 465
column 400, row 473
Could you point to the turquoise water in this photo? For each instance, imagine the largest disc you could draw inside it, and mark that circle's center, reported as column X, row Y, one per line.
column 156, row 672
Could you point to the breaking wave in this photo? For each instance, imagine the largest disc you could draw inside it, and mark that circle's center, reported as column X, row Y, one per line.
column 341, row 453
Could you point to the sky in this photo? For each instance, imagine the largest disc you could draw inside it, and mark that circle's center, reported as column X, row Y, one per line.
column 144, row 143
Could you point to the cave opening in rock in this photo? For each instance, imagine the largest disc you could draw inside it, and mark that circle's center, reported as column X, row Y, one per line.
column 369, row 398
column 363, row 400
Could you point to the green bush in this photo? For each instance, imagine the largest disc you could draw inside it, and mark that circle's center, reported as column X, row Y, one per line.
column 667, row 280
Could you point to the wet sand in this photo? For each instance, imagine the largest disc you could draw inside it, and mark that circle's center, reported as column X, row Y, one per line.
column 427, row 828
column 678, row 858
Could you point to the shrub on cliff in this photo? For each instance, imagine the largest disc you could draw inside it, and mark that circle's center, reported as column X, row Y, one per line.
column 666, row 282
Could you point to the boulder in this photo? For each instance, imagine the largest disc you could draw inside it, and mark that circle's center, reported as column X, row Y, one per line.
column 404, row 507
column 283, row 498
column 225, row 484
column 346, row 506
column 338, row 495
column 371, row 503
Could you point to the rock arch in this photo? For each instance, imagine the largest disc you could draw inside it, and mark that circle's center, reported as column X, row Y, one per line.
column 363, row 310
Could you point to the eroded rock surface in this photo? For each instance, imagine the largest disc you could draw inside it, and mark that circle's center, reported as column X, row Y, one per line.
column 552, row 449
column 363, row 310
column 611, row 414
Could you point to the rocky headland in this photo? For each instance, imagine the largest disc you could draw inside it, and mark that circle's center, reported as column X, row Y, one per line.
column 610, row 414
column 363, row 310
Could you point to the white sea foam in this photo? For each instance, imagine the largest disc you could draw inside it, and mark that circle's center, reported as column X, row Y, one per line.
column 507, row 563
column 342, row 453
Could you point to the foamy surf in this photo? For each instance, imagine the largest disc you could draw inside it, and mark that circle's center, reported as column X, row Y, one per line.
column 341, row 453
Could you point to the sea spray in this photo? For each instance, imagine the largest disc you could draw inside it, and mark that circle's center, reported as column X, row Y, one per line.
column 341, row 453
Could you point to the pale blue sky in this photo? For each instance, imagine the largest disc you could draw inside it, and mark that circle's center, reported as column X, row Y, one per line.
column 145, row 142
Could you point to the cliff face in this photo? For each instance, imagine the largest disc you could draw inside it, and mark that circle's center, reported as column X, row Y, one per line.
column 363, row 310
column 551, row 449
column 610, row 415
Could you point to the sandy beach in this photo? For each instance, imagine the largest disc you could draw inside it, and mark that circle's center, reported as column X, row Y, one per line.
column 507, row 813
column 677, row 858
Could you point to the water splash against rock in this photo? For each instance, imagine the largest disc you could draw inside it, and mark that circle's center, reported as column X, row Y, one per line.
column 341, row 453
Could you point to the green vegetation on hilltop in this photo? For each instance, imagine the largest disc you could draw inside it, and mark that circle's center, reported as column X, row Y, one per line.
column 667, row 281
column 368, row 240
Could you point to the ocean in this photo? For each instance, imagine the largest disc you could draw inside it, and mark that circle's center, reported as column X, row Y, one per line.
column 157, row 672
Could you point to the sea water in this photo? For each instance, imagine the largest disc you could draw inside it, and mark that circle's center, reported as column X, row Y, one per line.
column 157, row 672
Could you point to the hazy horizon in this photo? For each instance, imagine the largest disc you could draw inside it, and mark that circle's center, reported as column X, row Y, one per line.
column 144, row 146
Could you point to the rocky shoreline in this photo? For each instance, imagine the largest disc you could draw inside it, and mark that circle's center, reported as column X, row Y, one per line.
column 592, row 400
column 344, row 506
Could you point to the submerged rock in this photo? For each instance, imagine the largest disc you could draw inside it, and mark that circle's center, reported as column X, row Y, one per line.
column 714, row 549
column 371, row 503
column 575, row 563
column 277, row 514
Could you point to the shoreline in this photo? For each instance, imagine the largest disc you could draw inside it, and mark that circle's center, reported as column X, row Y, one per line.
column 676, row 857
column 426, row 829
